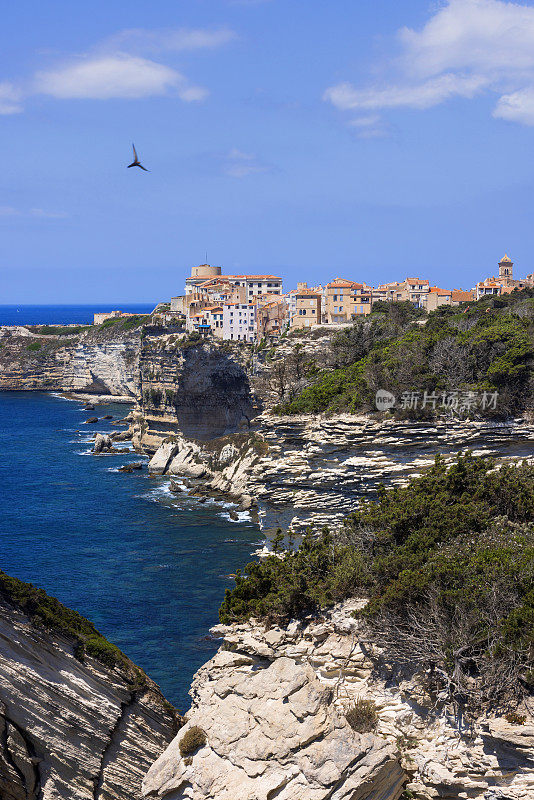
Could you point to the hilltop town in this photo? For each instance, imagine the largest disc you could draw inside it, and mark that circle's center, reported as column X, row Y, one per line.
column 249, row 308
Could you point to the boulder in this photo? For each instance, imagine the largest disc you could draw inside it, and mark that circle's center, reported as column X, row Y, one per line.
column 131, row 467
column 162, row 457
column 103, row 443
column 91, row 420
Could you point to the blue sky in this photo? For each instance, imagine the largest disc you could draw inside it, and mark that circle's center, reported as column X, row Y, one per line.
column 372, row 140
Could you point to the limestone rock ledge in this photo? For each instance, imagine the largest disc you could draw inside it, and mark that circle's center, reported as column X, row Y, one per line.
column 314, row 470
column 73, row 730
column 272, row 704
column 272, row 731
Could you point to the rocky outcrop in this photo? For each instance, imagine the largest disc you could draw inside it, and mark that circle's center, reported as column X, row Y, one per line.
column 272, row 731
column 71, row 728
column 272, row 704
column 315, row 470
column 95, row 361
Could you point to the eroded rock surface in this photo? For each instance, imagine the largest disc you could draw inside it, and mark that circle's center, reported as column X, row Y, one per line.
column 315, row 470
column 272, row 704
column 71, row 729
column 272, row 732
column 96, row 361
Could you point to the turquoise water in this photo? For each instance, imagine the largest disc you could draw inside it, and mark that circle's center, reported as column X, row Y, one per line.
column 147, row 567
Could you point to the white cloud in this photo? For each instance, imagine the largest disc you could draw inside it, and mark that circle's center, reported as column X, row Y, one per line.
column 118, row 68
column 140, row 40
column 423, row 95
column 112, row 76
column 517, row 106
column 238, row 164
column 480, row 35
column 10, row 99
column 10, row 211
column 368, row 127
column 467, row 47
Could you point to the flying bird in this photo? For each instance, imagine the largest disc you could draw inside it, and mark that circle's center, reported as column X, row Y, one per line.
column 136, row 162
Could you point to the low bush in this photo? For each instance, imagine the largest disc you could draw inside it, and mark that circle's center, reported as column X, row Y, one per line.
column 485, row 348
column 59, row 330
column 34, row 346
column 362, row 716
column 192, row 741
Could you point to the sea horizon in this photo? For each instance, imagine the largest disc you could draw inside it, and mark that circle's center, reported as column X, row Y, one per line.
column 64, row 313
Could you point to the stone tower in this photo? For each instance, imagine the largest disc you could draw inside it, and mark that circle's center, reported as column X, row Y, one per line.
column 506, row 269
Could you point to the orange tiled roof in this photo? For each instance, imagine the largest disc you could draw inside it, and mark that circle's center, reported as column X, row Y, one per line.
column 437, row 290
column 343, row 283
column 460, row 296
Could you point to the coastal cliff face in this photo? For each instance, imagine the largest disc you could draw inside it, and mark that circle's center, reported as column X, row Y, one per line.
column 73, row 729
column 272, row 705
column 272, row 702
column 200, row 391
column 99, row 361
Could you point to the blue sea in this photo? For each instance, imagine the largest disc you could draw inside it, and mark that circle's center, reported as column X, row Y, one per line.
column 149, row 568
column 64, row 315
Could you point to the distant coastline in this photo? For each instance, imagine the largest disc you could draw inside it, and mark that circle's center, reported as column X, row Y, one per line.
column 64, row 314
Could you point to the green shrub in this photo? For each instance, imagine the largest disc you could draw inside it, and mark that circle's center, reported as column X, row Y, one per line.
column 488, row 348
column 48, row 612
column 105, row 652
column 362, row 716
column 513, row 718
column 155, row 395
column 192, row 741
column 59, row 330
column 34, row 346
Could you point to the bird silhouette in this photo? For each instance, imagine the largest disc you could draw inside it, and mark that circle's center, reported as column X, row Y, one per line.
column 136, row 162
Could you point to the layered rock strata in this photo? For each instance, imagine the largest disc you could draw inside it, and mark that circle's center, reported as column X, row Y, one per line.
column 305, row 471
column 198, row 391
column 73, row 729
column 272, row 704
column 97, row 362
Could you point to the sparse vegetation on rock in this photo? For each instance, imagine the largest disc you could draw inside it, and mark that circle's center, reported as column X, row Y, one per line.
column 362, row 716
column 191, row 741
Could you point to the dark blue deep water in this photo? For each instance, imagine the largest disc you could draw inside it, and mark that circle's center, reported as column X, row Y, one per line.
column 147, row 567
column 64, row 315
